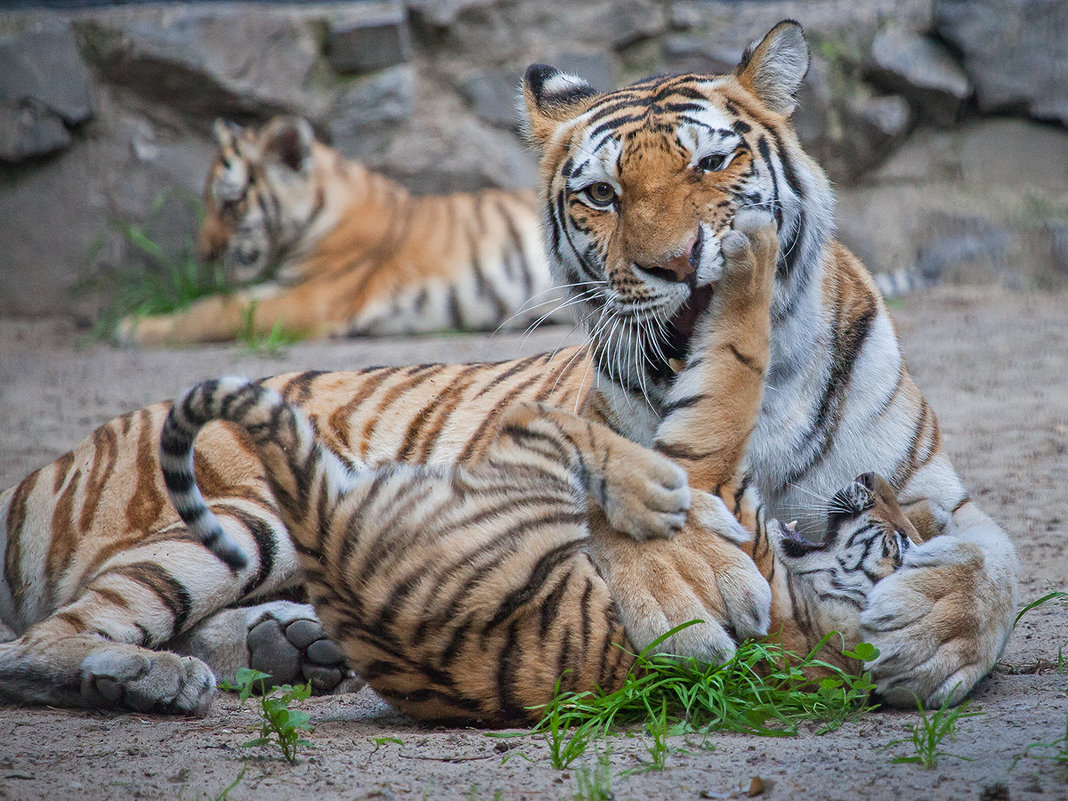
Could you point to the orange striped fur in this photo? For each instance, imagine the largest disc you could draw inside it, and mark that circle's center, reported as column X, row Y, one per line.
column 323, row 246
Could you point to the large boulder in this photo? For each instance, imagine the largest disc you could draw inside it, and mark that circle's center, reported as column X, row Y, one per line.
column 921, row 69
column 1014, row 51
column 44, row 90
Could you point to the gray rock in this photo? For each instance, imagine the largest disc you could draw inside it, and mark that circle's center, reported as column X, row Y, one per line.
column 687, row 53
column 43, row 66
column 30, row 131
column 492, row 93
column 970, row 244
column 367, row 45
column 240, row 63
column 596, row 68
column 1015, row 52
column 922, row 70
column 1058, row 234
column 628, row 22
column 368, row 108
column 442, row 13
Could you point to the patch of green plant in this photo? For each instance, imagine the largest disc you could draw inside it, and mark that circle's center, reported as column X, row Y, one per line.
column 273, row 343
column 280, row 725
column 595, row 783
column 927, row 735
column 1056, row 751
column 761, row 690
column 158, row 278
column 1053, row 595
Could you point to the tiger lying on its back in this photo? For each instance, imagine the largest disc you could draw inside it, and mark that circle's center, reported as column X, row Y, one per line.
column 346, row 251
column 467, row 593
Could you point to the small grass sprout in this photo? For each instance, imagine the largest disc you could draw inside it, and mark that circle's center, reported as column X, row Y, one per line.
column 763, row 689
column 273, row 343
column 595, row 783
column 158, row 277
column 1055, row 751
column 280, row 725
column 1053, row 595
column 927, row 735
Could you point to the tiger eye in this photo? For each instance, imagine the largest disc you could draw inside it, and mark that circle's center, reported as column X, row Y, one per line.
column 601, row 193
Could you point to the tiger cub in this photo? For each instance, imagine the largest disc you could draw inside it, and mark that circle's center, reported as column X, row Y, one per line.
column 324, row 246
column 507, row 600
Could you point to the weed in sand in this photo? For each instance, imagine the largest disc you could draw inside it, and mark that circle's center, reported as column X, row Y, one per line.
column 927, row 735
column 762, row 690
column 160, row 279
column 595, row 784
column 273, row 343
column 279, row 724
column 1056, row 751
column 1053, row 595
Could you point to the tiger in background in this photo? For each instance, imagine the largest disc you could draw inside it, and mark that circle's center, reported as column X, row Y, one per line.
column 640, row 187
column 323, row 246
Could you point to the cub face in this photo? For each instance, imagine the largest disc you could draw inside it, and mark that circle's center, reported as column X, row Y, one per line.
column 866, row 539
column 259, row 196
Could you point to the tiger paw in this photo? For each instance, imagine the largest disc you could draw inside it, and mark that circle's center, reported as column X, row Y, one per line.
column 287, row 641
column 127, row 677
column 699, row 575
column 643, row 494
column 940, row 623
column 750, row 252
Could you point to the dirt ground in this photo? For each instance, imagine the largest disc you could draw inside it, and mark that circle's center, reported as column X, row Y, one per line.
column 994, row 365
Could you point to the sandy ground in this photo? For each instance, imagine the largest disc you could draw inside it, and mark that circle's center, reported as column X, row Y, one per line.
column 994, row 365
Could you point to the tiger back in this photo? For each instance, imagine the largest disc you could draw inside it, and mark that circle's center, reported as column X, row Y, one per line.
column 322, row 246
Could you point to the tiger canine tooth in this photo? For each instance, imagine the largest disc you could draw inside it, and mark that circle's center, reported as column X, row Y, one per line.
column 791, row 526
column 676, row 365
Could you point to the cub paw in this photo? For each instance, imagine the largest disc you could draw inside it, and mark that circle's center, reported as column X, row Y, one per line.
column 644, row 494
column 750, row 252
column 128, row 677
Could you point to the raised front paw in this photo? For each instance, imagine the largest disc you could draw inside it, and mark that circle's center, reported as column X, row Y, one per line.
column 700, row 574
column 644, row 494
column 750, row 253
column 939, row 622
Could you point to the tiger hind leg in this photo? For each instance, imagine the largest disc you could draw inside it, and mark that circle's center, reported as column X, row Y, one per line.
column 281, row 638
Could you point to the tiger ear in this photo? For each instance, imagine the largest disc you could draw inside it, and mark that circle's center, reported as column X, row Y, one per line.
column 287, row 141
column 552, row 97
column 774, row 68
column 225, row 132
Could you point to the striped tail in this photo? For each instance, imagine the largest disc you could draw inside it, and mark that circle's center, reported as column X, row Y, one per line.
column 284, row 437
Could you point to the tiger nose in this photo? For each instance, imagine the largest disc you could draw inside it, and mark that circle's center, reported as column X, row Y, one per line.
column 677, row 268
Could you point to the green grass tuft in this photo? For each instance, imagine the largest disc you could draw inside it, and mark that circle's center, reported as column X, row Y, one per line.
column 928, row 734
column 761, row 690
column 280, row 725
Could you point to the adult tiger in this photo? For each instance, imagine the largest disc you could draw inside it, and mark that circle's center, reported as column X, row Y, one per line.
column 639, row 185
column 337, row 249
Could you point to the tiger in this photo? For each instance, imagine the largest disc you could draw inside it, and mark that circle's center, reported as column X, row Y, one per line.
column 640, row 188
column 465, row 595
column 320, row 245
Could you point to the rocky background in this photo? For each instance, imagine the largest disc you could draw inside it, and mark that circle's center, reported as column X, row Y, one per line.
column 943, row 123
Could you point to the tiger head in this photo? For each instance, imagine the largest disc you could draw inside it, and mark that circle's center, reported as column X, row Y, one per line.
column 641, row 184
column 261, row 192
column 866, row 539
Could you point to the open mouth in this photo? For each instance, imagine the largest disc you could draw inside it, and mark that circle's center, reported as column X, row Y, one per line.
column 668, row 360
column 795, row 545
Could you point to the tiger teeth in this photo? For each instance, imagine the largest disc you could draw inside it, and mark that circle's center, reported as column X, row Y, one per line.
column 676, row 365
column 792, row 526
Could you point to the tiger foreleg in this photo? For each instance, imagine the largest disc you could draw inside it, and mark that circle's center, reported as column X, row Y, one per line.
column 641, row 493
column 701, row 574
column 941, row 621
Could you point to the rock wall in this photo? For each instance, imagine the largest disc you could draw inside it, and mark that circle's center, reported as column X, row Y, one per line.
column 941, row 121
